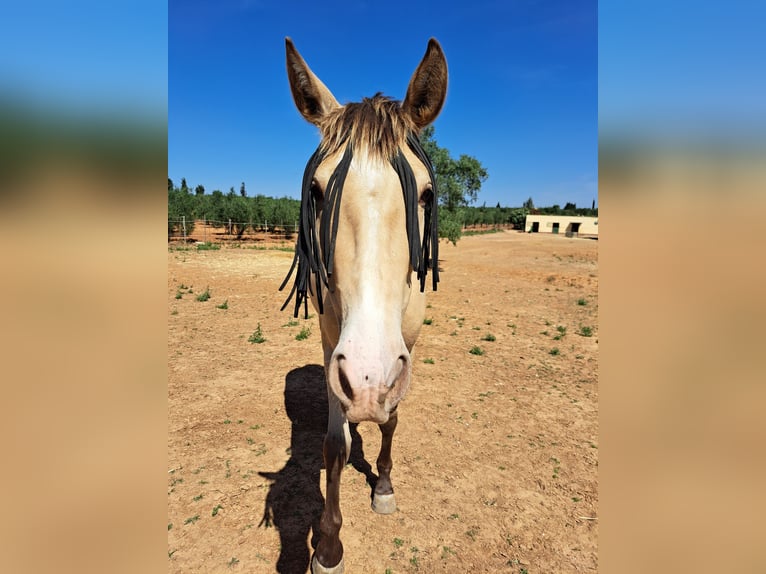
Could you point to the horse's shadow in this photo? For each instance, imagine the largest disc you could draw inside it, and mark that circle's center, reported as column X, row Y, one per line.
column 294, row 502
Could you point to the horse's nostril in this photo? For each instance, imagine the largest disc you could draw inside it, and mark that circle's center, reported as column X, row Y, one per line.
column 345, row 385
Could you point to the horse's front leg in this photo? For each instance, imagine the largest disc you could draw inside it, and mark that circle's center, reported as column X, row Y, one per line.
column 383, row 501
column 328, row 557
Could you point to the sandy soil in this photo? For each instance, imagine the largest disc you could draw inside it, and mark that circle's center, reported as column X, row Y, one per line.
column 495, row 456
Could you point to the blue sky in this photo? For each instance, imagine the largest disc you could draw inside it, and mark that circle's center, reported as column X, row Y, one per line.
column 522, row 97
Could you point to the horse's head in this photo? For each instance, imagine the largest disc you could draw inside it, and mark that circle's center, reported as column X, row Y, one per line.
column 368, row 231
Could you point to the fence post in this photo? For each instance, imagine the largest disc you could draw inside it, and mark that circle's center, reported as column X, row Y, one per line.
column 230, row 226
column 183, row 223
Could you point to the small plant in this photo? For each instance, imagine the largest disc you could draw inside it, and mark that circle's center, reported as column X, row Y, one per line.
column 554, row 351
column 232, row 562
column 291, row 323
column 476, row 351
column 179, row 294
column 208, row 246
column 192, row 519
column 453, row 516
column 204, row 296
column 257, row 336
column 398, row 542
column 170, row 525
column 428, row 361
column 224, row 305
column 428, row 321
column 488, row 337
column 585, row 331
column 582, row 302
column 197, row 498
column 562, row 331
column 303, row 335
column 216, row 509
column 556, row 467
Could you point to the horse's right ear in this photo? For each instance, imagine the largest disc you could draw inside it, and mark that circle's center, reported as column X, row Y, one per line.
column 311, row 96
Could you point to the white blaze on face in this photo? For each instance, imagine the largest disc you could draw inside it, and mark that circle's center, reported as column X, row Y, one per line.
column 370, row 366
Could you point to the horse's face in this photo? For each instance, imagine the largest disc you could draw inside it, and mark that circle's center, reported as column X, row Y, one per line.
column 370, row 289
column 371, row 308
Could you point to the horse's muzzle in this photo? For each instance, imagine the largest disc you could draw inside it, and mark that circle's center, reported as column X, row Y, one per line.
column 369, row 390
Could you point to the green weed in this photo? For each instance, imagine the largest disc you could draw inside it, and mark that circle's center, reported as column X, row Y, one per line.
column 488, row 337
column 257, row 336
column 446, row 551
column 303, row 335
column 224, row 305
column 585, row 331
column 476, row 351
column 204, row 296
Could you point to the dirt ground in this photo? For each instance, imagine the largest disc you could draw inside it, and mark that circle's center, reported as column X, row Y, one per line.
column 495, row 455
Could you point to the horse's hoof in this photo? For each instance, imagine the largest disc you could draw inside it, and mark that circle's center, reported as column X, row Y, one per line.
column 384, row 503
column 317, row 568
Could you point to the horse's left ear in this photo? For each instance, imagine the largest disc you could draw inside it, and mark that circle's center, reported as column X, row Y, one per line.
column 428, row 87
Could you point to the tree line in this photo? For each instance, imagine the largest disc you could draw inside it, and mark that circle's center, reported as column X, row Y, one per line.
column 218, row 209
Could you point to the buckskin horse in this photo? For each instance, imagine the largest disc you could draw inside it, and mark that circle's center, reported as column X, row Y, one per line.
column 367, row 240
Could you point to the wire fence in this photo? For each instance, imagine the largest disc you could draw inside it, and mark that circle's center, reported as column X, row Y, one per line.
column 209, row 229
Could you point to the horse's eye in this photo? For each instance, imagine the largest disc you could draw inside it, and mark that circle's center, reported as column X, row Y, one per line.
column 426, row 196
column 316, row 192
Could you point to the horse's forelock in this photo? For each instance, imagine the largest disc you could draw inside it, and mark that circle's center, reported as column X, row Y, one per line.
column 375, row 126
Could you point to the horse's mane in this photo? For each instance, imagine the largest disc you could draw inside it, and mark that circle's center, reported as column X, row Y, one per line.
column 378, row 127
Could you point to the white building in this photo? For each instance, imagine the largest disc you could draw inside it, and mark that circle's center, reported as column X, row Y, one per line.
column 569, row 225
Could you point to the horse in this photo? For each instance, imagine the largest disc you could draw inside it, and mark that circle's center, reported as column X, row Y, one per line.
column 366, row 243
